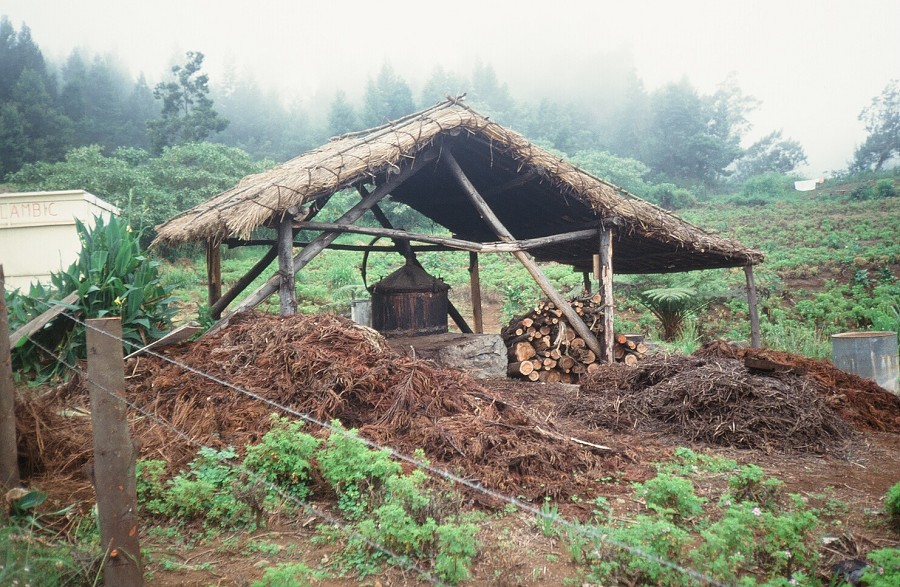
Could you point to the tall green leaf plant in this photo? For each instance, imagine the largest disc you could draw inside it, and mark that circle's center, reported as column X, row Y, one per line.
column 111, row 277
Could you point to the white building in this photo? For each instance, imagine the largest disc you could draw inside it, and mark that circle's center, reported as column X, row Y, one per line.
column 37, row 232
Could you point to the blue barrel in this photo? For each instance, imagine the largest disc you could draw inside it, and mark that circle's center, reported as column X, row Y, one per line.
column 872, row 355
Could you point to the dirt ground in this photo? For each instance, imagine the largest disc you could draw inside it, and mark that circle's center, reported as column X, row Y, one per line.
column 515, row 552
column 528, row 440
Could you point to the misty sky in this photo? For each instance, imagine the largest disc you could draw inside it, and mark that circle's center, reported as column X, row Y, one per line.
column 814, row 65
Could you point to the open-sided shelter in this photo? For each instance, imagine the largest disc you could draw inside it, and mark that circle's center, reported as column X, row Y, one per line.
column 489, row 186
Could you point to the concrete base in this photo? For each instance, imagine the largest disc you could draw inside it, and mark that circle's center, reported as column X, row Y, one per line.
column 480, row 355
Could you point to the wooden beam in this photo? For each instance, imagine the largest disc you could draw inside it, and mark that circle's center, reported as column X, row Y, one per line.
column 606, row 290
column 215, row 310
column 475, row 285
column 321, row 242
column 510, row 246
column 213, row 271
column 586, row 282
column 752, row 302
column 503, row 233
column 56, row 308
column 287, row 289
column 235, row 243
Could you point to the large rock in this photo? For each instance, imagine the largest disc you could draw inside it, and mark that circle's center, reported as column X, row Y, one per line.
column 480, row 355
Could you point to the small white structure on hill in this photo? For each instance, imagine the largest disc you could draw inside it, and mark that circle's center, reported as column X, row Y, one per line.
column 37, row 232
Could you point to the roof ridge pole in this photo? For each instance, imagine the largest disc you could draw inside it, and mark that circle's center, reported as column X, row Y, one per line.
column 504, row 234
column 752, row 302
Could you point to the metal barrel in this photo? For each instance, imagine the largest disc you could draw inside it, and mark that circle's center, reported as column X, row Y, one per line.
column 872, row 355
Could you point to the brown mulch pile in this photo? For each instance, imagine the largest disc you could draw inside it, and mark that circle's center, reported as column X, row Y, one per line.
column 714, row 400
column 860, row 401
column 329, row 368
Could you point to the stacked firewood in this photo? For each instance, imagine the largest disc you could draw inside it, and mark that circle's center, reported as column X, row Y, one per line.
column 543, row 346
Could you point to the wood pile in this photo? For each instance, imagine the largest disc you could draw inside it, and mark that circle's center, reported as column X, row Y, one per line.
column 543, row 346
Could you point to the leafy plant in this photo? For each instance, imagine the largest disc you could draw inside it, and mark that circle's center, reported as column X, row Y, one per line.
column 353, row 470
column 213, row 492
column 286, row 575
column 283, row 456
column 885, row 568
column 111, row 277
column 671, row 305
column 892, row 505
column 670, row 496
column 151, row 488
column 752, row 484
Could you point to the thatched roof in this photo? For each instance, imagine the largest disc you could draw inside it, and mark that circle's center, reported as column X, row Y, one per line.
column 533, row 192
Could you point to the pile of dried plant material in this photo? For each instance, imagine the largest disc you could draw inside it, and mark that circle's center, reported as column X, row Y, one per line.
column 713, row 400
column 860, row 401
column 329, row 368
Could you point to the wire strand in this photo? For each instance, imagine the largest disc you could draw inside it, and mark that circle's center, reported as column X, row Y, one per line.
column 476, row 486
column 403, row 560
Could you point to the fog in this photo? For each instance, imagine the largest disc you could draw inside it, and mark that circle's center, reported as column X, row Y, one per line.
column 813, row 65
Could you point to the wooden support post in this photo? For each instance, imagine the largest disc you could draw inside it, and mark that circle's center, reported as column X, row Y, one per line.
column 321, row 242
column 114, row 454
column 503, row 234
column 475, row 284
column 216, row 309
column 213, row 271
column 606, row 279
column 753, row 302
column 9, row 458
column 287, row 289
column 586, row 282
column 407, row 252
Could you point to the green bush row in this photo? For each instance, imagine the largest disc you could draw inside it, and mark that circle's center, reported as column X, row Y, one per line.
column 382, row 507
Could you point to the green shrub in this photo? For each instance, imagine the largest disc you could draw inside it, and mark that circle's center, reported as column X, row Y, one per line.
column 752, row 484
column 151, row 488
column 283, row 456
column 353, row 470
column 885, row 569
column 884, row 188
column 766, row 187
column 892, row 505
column 286, row 575
column 655, row 536
column 671, row 496
column 213, row 491
column 456, row 549
column 671, row 197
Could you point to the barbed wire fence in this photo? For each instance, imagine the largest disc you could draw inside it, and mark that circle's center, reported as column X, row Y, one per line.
column 405, row 562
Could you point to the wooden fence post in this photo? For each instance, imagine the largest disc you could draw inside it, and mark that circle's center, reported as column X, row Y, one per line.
column 9, row 457
column 114, row 454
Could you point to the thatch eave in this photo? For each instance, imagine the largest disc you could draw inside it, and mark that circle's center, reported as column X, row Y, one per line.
column 492, row 156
